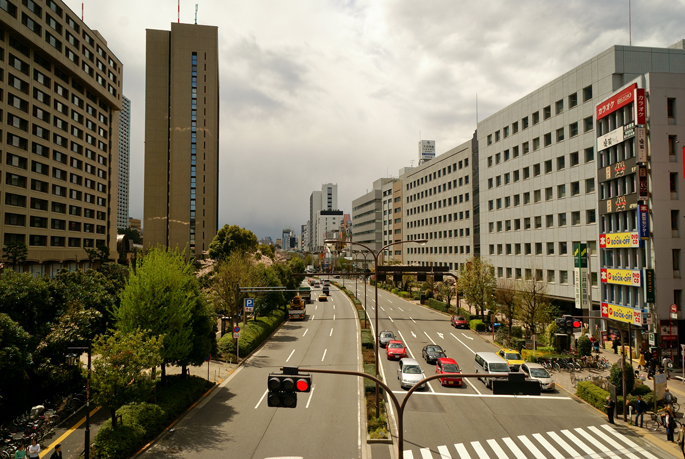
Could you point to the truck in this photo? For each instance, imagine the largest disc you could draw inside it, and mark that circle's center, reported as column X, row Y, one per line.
column 296, row 311
column 306, row 294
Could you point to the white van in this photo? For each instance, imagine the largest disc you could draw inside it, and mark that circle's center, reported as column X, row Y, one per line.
column 490, row 363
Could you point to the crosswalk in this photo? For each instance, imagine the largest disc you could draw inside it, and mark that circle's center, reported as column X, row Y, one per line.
column 587, row 442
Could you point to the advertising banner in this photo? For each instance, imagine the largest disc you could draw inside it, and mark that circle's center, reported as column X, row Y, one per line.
column 582, row 288
column 619, row 241
column 621, row 277
column 640, row 105
column 426, row 149
column 616, row 101
column 648, row 275
column 643, row 221
column 669, row 332
column 617, row 170
column 642, row 188
column 618, row 204
column 622, row 314
column 580, row 255
column 611, row 138
column 641, row 135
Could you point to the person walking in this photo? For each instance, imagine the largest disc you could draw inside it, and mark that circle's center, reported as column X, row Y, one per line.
column 20, row 453
column 614, row 345
column 669, row 422
column 34, row 449
column 610, row 409
column 57, row 454
column 641, row 363
column 640, row 408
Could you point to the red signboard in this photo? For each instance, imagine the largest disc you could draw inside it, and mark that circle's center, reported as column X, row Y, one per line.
column 605, row 309
column 674, row 308
column 640, row 106
column 617, row 101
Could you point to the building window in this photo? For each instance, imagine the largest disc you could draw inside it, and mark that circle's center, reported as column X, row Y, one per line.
column 524, row 122
column 573, row 100
column 561, row 219
column 561, row 163
column 589, row 154
column 575, row 188
column 561, row 191
column 548, row 139
column 590, row 216
column 588, row 124
column 573, row 129
column 536, row 143
column 676, row 263
column 559, row 106
column 587, row 93
column 670, row 108
column 547, row 112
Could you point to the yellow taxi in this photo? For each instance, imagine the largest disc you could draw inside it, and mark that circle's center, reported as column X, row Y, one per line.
column 512, row 357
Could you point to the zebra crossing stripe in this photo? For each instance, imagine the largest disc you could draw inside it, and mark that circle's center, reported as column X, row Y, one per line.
column 577, row 441
column 514, row 449
column 617, row 447
column 565, row 446
column 529, row 444
column 547, row 445
column 426, row 453
column 444, row 452
column 407, row 454
column 461, row 451
column 479, row 450
column 628, row 442
column 497, row 449
column 602, row 448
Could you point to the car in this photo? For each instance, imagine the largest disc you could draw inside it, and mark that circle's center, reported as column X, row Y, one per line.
column 395, row 350
column 459, row 322
column 409, row 373
column 512, row 357
column 446, row 365
column 323, row 297
column 432, row 352
column 326, row 290
column 316, row 283
column 385, row 337
column 326, row 282
column 539, row 373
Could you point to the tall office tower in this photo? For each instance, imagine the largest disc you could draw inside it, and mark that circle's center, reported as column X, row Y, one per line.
column 314, row 209
column 61, row 97
column 329, row 196
column 182, row 137
column 124, row 162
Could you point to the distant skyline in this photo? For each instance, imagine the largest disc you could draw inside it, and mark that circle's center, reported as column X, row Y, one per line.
column 342, row 91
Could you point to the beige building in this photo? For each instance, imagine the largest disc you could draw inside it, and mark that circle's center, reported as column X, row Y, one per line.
column 59, row 123
column 182, row 137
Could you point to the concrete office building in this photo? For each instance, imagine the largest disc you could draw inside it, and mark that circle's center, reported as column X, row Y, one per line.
column 62, row 96
column 124, row 162
column 538, row 170
column 389, row 216
column 326, row 199
column 182, row 137
column 367, row 215
column 438, row 201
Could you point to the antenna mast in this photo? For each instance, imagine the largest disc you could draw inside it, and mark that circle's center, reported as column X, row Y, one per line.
column 196, row 14
column 630, row 26
column 179, row 12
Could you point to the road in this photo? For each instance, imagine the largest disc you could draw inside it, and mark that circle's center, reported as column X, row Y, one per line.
column 234, row 421
column 470, row 422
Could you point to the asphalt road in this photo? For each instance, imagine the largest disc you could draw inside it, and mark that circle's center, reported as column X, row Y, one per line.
column 234, row 421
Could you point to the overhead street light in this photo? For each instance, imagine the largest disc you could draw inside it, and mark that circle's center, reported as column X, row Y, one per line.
column 72, row 359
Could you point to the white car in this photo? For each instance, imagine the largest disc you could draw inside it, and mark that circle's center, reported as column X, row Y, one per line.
column 409, row 373
column 539, row 373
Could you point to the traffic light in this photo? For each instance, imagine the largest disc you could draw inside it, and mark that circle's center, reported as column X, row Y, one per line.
column 569, row 324
column 577, row 324
column 561, row 325
column 283, row 387
column 438, row 277
column 566, row 323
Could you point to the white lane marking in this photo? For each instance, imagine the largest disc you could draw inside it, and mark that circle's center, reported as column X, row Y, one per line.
column 514, row 449
column 547, row 445
column 441, row 335
column 330, row 334
column 305, row 332
column 391, row 319
column 291, row 354
column 444, row 452
column 312, row 317
column 479, row 395
column 389, row 301
column 466, row 336
column 412, row 334
column 463, row 343
column 333, row 316
column 316, row 306
column 412, row 320
column 497, row 449
column 431, row 339
column 403, row 311
column 311, row 392
column 324, row 354
column 260, row 400
column 461, row 451
column 615, row 445
column 333, row 306
column 564, row 446
column 405, row 344
column 426, row 453
column 382, row 308
column 479, row 450
column 603, row 450
column 407, row 455
column 531, row 446
column 577, row 442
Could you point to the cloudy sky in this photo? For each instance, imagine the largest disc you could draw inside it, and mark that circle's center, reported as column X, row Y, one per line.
column 317, row 91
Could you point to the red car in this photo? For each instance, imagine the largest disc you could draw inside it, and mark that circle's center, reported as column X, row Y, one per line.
column 459, row 322
column 395, row 350
column 448, row 366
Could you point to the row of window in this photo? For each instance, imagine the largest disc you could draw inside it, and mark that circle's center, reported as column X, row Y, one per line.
column 438, row 173
column 574, row 160
column 444, row 250
column 536, row 248
column 21, row 162
column 17, row 200
column 515, row 200
column 562, row 220
column 456, row 216
column 461, row 181
column 518, row 274
column 36, row 240
column 572, row 101
column 13, row 219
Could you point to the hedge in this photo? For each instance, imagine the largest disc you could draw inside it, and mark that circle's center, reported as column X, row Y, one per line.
column 477, row 325
column 592, row 394
column 254, row 333
column 531, row 356
column 367, row 339
column 141, row 422
column 438, row 305
column 405, row 295
column 370, row 385
column 416, row 296
column 360, row 312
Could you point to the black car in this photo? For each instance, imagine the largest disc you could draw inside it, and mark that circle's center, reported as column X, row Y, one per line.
column 432, row 352
column 385, row 337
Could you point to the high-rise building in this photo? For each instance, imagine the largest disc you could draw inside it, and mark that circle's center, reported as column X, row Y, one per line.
column 182, row 137
column 326, row 199
column 124, row 162
column 61, row 100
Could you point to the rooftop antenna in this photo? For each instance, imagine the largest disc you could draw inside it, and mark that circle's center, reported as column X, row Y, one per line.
column 196, row 14
column 179, row 12
column 630, row 26
column 81, row 11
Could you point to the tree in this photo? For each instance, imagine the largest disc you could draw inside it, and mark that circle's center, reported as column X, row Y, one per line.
column 132, row 234
column 477, row 283
column 101, row 254
column 535, row 306
column 266, row 250
column 506, row 301
column 28, row 301
column 271, row 277
column 118, row 376
column 204, row 327
column 15, row 253
column 237, row 269
column 296, row 265
column 159, row 298
column 15, row 360
column 232, row 239
column 447, row 290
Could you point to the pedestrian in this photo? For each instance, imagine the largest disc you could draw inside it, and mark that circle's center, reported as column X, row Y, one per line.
column 669, row 422
column 57, row 454
column 20, row 453
column 614, row 345
column 640, row 408
column 652, row 369
column 610, row 409
column 668, row 398
column 641, row 363
column 34, row 449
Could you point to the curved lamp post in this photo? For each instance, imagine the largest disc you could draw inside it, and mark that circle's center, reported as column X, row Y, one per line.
column 375, row 254
column 71, row 359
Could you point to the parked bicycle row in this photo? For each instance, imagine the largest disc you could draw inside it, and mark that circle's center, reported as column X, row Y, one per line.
column 574, row 364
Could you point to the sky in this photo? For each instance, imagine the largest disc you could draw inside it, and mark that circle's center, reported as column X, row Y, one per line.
column 319, row 91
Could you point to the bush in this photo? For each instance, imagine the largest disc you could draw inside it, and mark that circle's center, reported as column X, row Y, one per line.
column 369, row 385
column 405, row 295
column 416, row 295
column 438, row 305
column 593, row 395
column 394, row 291
column 516, row 332
column 254, row 333
column 584, row 346
column 356, row 302
column 477, row 325
column 367, row 339
column 518, row 343
column 642, row 389
column 428, row 293
column 616, row 377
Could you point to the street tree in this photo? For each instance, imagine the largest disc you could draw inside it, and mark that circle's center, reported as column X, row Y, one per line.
column 477, row 283
column 237, row 269
column 232, row 239
column 535, row 306
column 15, row 253
column 28, row 301
column 506, row 301
column 271, row 276
column 266, row 250
column 296, row 265
column 447, row 290
column 100, row 253
column 15, row 362
column 204, row 328
column 119, row 373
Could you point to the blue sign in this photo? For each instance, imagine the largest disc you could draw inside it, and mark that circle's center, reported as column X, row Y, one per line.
column 643, row 221
column 249, row 304
column 236, row 330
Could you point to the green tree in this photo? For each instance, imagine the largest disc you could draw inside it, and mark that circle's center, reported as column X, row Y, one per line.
column 232, row 239
column 118, row 376
column 101, row 254
column 477, row 283
column 15, row 360
column 447, row 290
column 506, row 301
column 266, row 250
column 296, row 265
column 535, row 308
column 237, row 269
column 616, row 378
column 270, row 277
column 132, row 234
column 159, row 298
column 28, row 301
column 15, row 253
column 204, row 328
column 584, row 346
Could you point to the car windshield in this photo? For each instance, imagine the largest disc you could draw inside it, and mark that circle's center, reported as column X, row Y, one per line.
column 387, row 335
column 539, row 373
column 513, row 356
column 460, row 318
column 395, row 345
column 433, row 349
column 412, row 369
column 499, row 367
column 450, row 368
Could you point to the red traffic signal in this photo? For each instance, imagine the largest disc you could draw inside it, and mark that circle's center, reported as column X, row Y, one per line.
column 303, row 383
column 577, row 324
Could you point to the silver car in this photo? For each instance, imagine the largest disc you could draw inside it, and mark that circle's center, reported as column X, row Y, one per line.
column 409, row 373
column 385, row 337
column 539, row 373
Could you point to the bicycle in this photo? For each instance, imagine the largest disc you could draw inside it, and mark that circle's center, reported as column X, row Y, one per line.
column 655, row 422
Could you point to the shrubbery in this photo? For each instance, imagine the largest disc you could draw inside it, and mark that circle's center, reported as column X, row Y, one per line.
column 438, row 305
column 367, row 339
column 254, row 333
column 616, row 377
column 477, row 325
column 595, row 396
column 584, row 346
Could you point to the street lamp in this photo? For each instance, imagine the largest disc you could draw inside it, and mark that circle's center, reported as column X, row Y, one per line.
column 71, row 360
column 329, row 243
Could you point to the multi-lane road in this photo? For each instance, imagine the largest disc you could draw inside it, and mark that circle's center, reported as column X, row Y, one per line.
column 467, row 422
